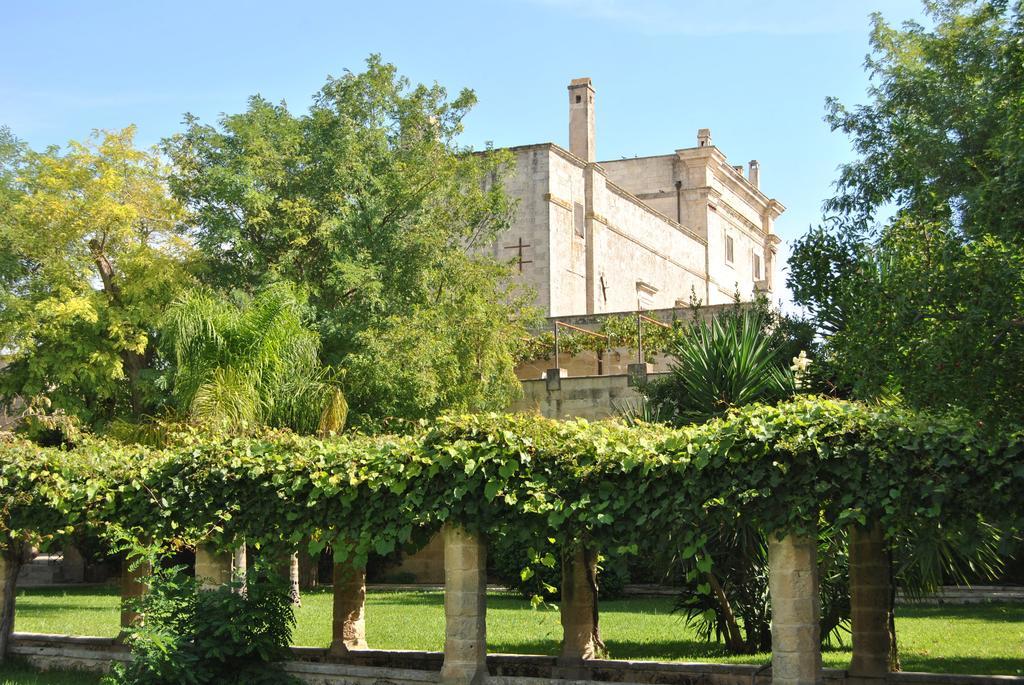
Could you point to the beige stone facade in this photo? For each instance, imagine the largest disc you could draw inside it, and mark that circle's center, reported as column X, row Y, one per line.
column 643, row 233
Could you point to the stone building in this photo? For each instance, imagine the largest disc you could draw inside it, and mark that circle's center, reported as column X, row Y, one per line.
column 642, row 233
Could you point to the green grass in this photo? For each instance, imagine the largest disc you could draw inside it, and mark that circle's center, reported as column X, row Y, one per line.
column 22, row 675
column 982, row 639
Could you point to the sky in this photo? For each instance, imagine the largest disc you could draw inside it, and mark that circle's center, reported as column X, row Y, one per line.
column 756, row 72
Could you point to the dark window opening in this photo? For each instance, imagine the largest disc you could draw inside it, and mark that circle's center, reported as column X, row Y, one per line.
column 579, row 99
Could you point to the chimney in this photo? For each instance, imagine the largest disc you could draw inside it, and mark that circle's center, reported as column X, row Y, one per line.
column 704, row 137
column 581, row 119
column 755, row 173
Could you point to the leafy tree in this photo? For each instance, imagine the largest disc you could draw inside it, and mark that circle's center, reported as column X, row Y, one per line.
column 91, row 253
column 368, row 203
column 929, row 302
column 916, row 279
column 250, row 365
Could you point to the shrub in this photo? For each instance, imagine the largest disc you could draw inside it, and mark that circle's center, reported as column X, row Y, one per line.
column 236, row 633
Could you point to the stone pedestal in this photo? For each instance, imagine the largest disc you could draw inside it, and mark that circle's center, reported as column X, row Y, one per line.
column 213, row 567
column 348, row 624
column 133, row 587
column 793, row 583
column 465, row 607
column 869, row 603
column 578, row 608
column 553, row 379
column 638, row 373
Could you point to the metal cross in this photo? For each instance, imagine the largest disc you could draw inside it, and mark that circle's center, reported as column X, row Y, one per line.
column 519, row 246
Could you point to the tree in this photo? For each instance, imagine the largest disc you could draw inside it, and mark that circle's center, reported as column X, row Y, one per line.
column 91, row 253
column 368, row 203
column 249, row 365
column 929, row 303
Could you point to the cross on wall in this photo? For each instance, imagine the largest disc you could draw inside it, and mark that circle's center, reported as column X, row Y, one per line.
column 519, row 259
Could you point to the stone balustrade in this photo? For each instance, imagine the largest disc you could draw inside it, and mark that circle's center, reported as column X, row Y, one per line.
column 796, row 654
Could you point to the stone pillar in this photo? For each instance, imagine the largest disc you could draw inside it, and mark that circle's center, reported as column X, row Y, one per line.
column 240, row 567
column 465, row 607
column 10, row 564
column 133, row 587
column 213, row 567
column 580, row 636
column 869, row 603
column 348, row 625
column 72, row 565
column 796, row 631
column 309, row 570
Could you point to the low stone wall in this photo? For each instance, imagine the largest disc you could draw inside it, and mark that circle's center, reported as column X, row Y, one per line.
column 316, row 666
column 587, row 397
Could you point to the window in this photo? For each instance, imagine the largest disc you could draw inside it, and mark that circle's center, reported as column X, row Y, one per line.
column 757, row 267
column 645, row 293
column 579, row 219
column 729, row 249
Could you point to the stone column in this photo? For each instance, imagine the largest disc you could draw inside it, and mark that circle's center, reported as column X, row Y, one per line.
column 869, row 603
column 10, row 563
column 465, row 607
column 213, row 567
column 133, row 587
column 796, row 631
column 580, row 636
column 72, row 566
column 348, row 625
column 240, row 567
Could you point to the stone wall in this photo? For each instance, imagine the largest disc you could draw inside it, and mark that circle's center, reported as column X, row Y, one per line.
column 641, row 255
column 528, row 184
column 715, row 201
column 587, row 397
column 317, row 667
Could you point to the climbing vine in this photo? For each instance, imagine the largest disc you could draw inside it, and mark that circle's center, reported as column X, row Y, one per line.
column 804, row 465
column 620, row 331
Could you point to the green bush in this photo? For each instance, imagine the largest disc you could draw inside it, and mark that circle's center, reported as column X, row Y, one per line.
column 236, row 633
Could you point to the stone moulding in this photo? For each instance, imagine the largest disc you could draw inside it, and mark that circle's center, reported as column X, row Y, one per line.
column 317, row 667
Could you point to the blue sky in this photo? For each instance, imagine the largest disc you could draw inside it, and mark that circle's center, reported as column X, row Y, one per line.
column 755, row 72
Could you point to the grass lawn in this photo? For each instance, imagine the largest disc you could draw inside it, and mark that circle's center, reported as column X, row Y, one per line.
column 21, row 675
column 982, row 639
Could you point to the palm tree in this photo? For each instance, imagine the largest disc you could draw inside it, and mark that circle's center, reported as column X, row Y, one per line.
column 727, row 362
column 251, row 364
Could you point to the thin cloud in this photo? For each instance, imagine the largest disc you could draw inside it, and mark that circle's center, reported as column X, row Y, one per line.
column 702, row 18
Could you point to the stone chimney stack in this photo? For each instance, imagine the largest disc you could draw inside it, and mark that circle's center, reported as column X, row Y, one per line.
column 581, row 119
column 704, row 137
column 755, row 174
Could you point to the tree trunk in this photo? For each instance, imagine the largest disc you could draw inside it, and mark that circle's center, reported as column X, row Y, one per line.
column 581, row 632
column 293, row 579
column 10, row 564
column 733, row 637
column 134, row 362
